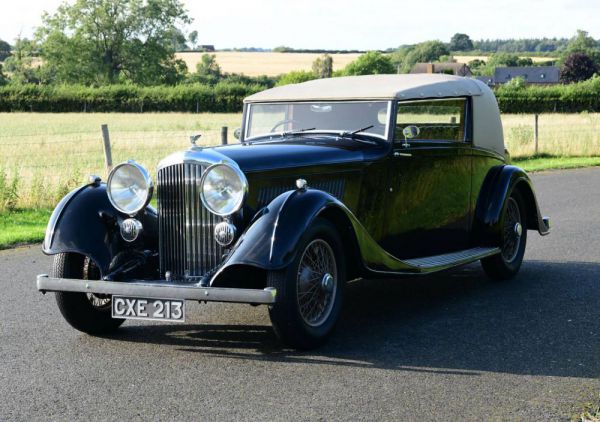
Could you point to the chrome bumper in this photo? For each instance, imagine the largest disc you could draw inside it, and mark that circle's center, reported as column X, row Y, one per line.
column 156, row 290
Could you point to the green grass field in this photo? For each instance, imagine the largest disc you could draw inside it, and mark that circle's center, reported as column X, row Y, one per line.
column 43, row 156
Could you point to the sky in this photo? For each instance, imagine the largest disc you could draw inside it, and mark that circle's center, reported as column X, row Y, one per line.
column 348, row 24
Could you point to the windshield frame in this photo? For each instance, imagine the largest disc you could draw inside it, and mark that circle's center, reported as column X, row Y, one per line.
column 384, row 137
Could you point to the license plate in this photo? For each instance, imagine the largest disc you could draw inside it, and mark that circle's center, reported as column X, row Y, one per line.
column 154, row 309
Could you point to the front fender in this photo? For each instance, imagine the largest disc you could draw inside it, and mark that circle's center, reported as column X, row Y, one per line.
column 497, row 187
column 270, row 242
column 85, row 222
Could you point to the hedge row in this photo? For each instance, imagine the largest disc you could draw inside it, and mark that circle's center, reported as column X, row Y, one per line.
column 573, row 98
column 227, row 97
column 223, row 97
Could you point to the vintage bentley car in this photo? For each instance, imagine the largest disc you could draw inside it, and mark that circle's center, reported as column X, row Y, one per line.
column 332, row 180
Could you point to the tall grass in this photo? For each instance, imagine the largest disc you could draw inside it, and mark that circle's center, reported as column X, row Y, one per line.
column 43, row 156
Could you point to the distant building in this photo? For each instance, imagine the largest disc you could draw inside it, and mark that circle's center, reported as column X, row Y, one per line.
column 451, row 68
column 488, row 80
column 542, row 75
column 206, row 47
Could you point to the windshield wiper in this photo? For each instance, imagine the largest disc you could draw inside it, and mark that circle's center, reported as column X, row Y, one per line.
column 351, row 135
column 354, row 132
column 296, row 132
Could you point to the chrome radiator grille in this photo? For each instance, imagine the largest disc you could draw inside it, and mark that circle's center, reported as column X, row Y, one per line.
column 186, row 241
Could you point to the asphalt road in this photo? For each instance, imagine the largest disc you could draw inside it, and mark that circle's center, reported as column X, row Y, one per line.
column 455, row 346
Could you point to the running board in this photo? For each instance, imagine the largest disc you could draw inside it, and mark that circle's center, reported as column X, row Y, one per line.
column 442, row 262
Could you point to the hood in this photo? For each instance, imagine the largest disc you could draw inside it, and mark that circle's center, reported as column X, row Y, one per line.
column 257, row 157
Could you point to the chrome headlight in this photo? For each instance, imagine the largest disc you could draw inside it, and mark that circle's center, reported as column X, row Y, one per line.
column 129, row 187
column 223, row 189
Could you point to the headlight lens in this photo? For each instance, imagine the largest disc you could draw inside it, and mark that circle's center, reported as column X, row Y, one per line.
column 223, row 189
column 129, row 187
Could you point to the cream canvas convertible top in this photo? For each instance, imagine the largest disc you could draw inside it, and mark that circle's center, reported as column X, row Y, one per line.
column 372, row 87
column 487, row 128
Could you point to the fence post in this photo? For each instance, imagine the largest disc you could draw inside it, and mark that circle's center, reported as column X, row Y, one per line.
column 535, row 133
column 107, row 151
column 224, row 135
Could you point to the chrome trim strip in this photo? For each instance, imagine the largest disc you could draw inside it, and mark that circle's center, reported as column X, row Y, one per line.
column 205, row 157
column 158, row 289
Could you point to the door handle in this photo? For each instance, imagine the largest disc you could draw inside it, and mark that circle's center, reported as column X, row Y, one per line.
column 402, row 154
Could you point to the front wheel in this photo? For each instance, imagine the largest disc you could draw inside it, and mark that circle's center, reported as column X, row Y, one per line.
column 310, row 289
column 85, row 312
column 507, row 263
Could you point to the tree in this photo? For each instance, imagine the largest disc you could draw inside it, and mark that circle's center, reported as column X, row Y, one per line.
column 3, row 80
column 110, row 41
column 193, row 39
column 426, row 52
column 461, row 42
column 322, row 67
column 577, row 67
column 584, row 44
column 4, row 50
column 370, row 63
column 208, row 66
column 295, row 77
column 20, row 62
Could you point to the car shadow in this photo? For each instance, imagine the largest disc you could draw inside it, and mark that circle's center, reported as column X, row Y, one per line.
column 544, row 322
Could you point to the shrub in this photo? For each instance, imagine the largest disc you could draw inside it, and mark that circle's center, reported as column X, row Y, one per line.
column 370, row 63
column 295, row 77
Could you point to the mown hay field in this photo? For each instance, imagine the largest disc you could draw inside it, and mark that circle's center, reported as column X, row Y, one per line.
column 45, row 155
column 264, row 63
column 273, row 64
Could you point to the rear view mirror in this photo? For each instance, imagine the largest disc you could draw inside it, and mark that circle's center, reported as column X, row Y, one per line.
column 237, row 133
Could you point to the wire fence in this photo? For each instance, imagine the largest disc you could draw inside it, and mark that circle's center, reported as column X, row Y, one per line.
column 39, row 167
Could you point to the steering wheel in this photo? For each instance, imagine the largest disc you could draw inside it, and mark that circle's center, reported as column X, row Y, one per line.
column 282, row 122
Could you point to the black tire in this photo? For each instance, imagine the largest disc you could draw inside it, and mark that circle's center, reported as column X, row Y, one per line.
column 292, row 325
column 506, row 264
column 77, row 308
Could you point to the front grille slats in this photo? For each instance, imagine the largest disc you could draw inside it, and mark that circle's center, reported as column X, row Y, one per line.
column 186, row 244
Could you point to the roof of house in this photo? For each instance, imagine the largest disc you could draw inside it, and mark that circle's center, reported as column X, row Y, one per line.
column 372, row 87
column 488, row 80
column 458, row 68
column 532, row 74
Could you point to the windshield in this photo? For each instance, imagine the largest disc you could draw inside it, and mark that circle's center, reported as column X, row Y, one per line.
column 277, row 118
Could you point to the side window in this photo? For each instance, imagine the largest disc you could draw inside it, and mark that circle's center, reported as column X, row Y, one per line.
column 436, row 120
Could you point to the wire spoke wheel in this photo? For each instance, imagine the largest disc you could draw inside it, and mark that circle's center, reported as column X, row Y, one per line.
column 316, row 282
column 512, row 231
column 91, row 272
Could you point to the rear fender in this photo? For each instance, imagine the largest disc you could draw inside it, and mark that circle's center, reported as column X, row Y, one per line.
column 497, row 187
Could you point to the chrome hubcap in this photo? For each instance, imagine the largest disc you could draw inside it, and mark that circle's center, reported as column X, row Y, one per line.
column 316, row 282
column 327, row 283
column 518, row 229
column 513, row 230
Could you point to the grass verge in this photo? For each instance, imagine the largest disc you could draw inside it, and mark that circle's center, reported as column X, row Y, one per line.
column 29, row 225
column 590, row 413
column 22, row 226
column 550, row 163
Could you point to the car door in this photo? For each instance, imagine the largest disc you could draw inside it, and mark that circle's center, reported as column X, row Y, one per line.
column 427, row 211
